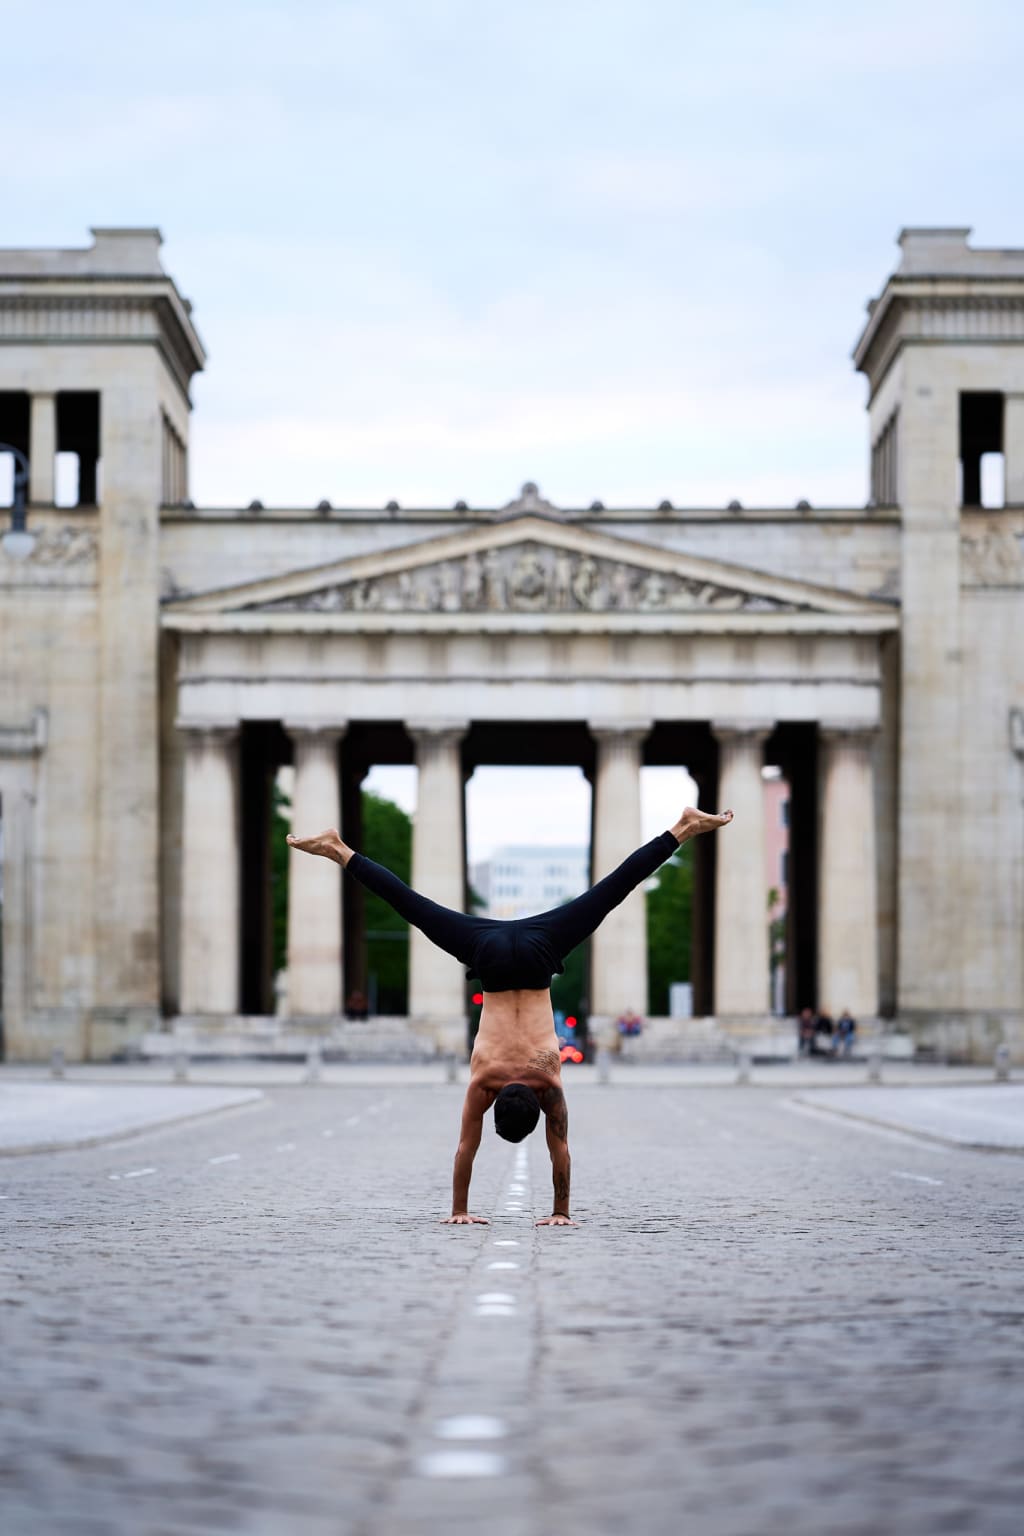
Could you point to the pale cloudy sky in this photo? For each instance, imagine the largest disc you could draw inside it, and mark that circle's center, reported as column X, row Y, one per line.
column 439, row 247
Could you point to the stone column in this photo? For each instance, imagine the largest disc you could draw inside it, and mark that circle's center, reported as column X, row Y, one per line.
column 210, row 905
column 42, row 449
column 619, row 947
column 848, row 878
column 1013, row 449
column 314, row 885
column 436, row 981
column 741, row 895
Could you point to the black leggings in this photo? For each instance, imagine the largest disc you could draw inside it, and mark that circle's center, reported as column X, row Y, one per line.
column 526, row 952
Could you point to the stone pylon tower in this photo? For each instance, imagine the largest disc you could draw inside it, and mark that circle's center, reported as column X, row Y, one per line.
column 943, row 350
column 97, row 349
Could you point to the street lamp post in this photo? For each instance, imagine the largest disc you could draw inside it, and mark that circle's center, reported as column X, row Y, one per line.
column 17, row 542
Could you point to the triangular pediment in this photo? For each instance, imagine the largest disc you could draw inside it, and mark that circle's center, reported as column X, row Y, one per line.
column 527, row 565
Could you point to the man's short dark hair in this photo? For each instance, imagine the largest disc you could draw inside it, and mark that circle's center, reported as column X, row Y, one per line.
column 516, row 1111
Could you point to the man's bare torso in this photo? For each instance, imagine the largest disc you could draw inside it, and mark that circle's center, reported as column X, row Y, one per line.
column 516, row 1041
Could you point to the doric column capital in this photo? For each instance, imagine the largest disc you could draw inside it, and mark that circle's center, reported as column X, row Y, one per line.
column 326, row 731
column 219, row 733
column 848, row 733
column 437, row 733
column 753, row 733
column 620, row 730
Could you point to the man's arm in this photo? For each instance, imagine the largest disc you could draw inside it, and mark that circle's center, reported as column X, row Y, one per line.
column 478, row 1102
column 557, row 1116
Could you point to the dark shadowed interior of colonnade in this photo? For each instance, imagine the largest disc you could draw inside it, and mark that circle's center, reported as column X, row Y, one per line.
column 266, row 749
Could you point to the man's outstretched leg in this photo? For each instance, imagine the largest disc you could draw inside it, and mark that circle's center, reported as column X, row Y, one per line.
column 453, row 932
column 570, row 924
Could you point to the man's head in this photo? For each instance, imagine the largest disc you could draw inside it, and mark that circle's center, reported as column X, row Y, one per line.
column 516, row 1111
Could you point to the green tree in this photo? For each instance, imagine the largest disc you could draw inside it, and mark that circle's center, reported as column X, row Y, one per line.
column 669, row 927
column 387, row 839
column 569, row 990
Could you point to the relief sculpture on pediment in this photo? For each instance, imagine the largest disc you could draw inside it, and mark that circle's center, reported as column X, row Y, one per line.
column 528, row 578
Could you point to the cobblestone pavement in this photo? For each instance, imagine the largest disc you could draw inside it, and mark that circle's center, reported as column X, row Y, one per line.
column 768, row 1320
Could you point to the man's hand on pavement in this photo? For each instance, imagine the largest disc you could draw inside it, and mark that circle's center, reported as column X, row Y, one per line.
column 554, row 1221
column 464, row 1219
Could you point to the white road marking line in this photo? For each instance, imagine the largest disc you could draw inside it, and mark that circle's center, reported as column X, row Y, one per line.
column 138, row 1173
column 470, row 1426
column 225, row 1157
column 286, row 1146
column 503, row 1264
column 498, row 1296
column 499, row 1242
column 109, row 1176
column 918, row 1178
column 461, row 1464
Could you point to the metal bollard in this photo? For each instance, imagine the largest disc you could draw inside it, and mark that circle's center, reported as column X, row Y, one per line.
column 875, row 1062
column 180, row 1066
column 313, row 1063
column 56, row 1062
column 1002, row 1063
column 604, row 1065
column 451, row 1067
column 743, row 1067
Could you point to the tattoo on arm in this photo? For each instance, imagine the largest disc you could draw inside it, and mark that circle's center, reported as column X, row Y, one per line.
column 552, row 1101
column 562, row 1188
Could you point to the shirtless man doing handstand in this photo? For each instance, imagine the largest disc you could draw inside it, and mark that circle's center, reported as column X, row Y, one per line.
column 515, row 1064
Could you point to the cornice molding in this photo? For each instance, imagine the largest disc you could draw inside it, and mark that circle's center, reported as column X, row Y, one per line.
column 944, row 311
column 102, row 312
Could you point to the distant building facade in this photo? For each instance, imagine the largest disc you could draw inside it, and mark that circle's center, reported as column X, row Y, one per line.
column 159, row 662
column 522, row 880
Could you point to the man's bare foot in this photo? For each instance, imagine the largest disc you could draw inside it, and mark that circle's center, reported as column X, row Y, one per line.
column 692, row 822
column 328, row 844
column 464, row 1219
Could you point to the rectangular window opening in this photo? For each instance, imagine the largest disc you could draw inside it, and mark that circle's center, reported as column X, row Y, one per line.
column 982, row 484
column 14, row 417
column 78, row 436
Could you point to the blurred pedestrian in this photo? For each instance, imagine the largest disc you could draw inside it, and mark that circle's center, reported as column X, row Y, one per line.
column 846, row 1028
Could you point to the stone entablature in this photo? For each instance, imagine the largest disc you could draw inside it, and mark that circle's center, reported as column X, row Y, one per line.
column 944, row 292
column 112, row 293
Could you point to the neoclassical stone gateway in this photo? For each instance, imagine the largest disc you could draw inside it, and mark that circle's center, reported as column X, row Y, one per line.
column 161, row 661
